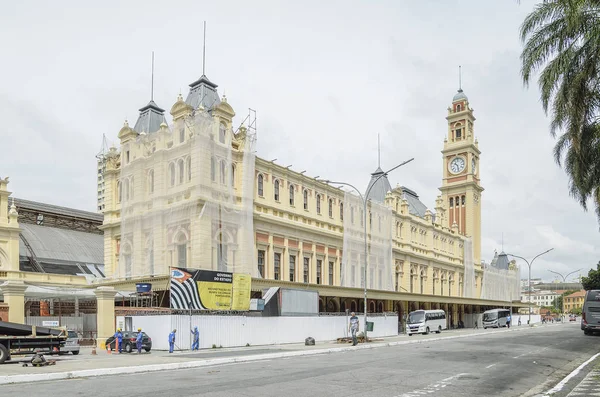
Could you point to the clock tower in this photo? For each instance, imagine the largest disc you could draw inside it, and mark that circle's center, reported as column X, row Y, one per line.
column 461, row 188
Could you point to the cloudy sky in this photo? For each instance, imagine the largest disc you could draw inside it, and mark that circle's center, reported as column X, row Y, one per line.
column 325, row 78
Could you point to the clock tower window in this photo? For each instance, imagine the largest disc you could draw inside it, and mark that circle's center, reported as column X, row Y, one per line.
column 451, row 202
column 458, row 134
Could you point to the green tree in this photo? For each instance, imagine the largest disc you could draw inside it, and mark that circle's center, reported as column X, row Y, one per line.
column 592, row 281
column 562, row 41
column 577, row 311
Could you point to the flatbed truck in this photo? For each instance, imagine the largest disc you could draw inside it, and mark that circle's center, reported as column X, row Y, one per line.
column 21, row 339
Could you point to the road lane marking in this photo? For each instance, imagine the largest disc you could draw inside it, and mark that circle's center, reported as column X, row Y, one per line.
column 490, row 366
column 432, row 388
column 563, row 382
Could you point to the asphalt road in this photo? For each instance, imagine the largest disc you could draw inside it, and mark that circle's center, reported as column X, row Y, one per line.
column 501, row 364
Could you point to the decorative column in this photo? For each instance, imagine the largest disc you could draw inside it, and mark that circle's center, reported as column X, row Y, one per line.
column 14, row 296
column 105, row 298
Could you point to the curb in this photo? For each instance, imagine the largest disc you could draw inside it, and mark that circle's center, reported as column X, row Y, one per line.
column 86, row 373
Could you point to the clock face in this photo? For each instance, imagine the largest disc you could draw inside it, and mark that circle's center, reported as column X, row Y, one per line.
column 474, row 166
column 457, row 165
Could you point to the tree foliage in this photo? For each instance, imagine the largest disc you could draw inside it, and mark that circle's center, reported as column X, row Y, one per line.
column 562, row 42
column 558, row 301
column 592, row 281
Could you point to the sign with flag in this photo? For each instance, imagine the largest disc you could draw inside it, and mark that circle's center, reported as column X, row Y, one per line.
column 209, row 290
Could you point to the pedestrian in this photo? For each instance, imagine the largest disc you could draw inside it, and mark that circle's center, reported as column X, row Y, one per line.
column 138, row 340
column 353, row 327
column 508, row 318
column 119, row 340
column 519, row 321
column 196, row 334
column 172, row 341
column 476, row 327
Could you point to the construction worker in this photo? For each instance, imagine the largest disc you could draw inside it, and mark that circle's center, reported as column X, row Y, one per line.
column 119, row 340
column 138, row 340
column 172, row 341
column 196, row 343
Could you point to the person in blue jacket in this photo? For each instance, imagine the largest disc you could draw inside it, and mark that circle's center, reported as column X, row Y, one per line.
column 119, row 339
column 138, row 340
column 196, row 343
column 172, row 341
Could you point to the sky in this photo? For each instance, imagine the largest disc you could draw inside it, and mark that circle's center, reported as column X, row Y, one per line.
column 325, row 79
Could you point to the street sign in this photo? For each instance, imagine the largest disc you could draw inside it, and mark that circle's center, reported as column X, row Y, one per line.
column 50, row 323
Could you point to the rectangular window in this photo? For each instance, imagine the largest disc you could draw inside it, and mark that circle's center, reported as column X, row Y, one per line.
column 319, row 265
column 277, row 265
column 127, row 155
column 292, row 267
column 306, row 269
column 261, row 263
column 330, row 273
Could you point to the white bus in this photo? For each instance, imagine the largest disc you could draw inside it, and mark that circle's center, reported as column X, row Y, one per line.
column 425, row 321
column 495, row 318
column 590, row 315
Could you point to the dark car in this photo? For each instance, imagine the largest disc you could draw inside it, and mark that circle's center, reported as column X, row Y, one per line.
column 129, row 338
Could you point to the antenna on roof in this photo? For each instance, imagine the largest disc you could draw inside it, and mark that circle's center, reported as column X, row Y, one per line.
column 204, row 50
column 378, row 152
column 152, row 86
column 459, row 78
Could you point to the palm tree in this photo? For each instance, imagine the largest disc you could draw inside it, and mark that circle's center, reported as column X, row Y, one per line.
column 562, row 41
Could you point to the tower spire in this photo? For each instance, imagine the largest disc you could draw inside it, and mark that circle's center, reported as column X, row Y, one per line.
column 459, row 79
column 152, row 86
column 204, row 51
column 378, row 152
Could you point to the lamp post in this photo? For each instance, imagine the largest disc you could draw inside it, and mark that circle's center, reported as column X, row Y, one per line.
column 529, row 277
column 364, row 200
column 562, row 306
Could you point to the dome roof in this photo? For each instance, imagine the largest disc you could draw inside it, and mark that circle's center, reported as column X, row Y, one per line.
column 459, row 96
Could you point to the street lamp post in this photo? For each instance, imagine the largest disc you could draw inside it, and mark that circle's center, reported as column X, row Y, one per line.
column 364, row 200
column 562, row 306
column 529, row 277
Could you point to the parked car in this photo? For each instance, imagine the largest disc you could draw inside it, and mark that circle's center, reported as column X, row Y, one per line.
column 572, row 318
column 129, row 338
column 72, row 343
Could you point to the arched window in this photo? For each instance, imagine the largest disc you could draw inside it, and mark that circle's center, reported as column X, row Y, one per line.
column 341, row 211
column 276, row 190
column 458, row 108
column 462, row 199
column 213, row 169
column 181, row 170
column 451, row 202
column 260, row 185
column 151, row 181
column 292, row 194
column 223, row 172
column 172, row 173
column 119, row 192
column 127, row 259
column 181, row 135
column 330, row 208
column 222, row 130
column 318, row 203
column 232, row 175
column 189, row 168
column 305, row 194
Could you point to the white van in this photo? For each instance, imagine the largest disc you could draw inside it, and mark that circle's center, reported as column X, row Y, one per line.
column 590, row 315
column 425, row 321
column 495, row 318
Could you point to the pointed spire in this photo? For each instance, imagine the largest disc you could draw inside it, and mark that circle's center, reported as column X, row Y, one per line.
column 152, row 86
column 204, row 51
column 378, row 152
column 459, row 79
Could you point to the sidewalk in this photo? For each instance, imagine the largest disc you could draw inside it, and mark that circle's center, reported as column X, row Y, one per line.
column 589, row 386
column 87, row 365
